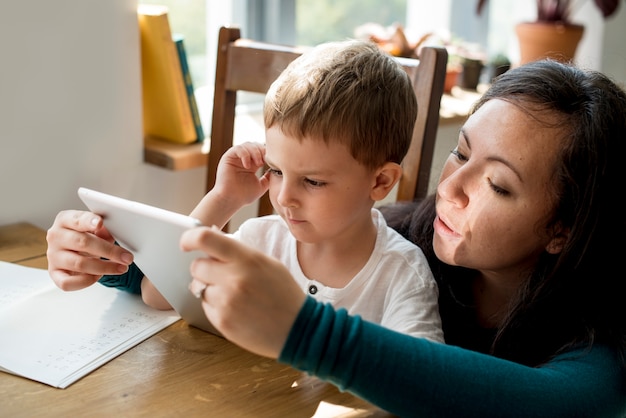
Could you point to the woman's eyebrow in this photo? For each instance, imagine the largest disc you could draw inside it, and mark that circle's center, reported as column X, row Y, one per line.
column 508, row 164
column 494, row 157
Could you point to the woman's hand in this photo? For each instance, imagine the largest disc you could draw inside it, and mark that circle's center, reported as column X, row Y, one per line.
column 81, row 250
column 249, row 297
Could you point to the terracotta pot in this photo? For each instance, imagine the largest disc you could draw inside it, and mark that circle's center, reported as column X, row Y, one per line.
column 538, row 40
column 452, row 76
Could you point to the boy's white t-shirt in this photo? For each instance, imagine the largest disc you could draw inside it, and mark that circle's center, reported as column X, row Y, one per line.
column 395, row 288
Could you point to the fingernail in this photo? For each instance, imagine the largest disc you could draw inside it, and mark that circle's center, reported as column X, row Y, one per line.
column 127, row 258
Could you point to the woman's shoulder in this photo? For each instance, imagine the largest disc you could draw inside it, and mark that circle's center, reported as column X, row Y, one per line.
column 592, row 356
column 596, row 372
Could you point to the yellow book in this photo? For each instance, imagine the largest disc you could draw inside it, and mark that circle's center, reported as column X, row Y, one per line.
column 166, row 110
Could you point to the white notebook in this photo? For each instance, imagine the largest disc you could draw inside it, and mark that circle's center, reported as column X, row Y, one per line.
column 57, row 337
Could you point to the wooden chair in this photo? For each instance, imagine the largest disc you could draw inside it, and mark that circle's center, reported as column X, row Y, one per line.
column 245, row 65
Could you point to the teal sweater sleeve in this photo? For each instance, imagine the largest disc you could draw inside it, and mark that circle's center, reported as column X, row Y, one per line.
column 414, row 377
column 129, row 281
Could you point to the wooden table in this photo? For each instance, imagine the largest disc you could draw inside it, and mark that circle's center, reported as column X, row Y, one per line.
column 179, row 372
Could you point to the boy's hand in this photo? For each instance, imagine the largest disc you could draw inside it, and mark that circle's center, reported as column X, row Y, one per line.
column 237, row 173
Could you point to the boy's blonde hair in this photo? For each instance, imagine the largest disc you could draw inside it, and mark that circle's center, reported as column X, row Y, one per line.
column 349, row 92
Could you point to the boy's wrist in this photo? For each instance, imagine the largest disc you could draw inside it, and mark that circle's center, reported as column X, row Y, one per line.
column 216, row 208
column 227, row 200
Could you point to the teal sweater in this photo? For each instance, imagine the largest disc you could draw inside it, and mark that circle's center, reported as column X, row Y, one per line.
column 414, row 377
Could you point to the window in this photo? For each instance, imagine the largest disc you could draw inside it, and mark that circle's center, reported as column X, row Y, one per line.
column 320, row 21
column 309, row 22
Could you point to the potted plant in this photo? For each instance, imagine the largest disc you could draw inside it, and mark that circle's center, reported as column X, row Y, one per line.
column 553, row 34
column 472, row 58
column 498, row 64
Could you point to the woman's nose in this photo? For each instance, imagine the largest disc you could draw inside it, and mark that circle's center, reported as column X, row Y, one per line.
column 453, row 186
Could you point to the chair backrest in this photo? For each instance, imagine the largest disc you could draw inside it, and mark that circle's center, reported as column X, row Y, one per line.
column 245, row 65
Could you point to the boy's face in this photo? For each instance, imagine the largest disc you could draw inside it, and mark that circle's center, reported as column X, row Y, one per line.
column 319, row 189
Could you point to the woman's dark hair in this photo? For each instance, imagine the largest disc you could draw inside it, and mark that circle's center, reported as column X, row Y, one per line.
column 576, row 297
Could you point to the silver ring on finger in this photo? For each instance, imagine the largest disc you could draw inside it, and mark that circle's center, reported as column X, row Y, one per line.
column 199, row 294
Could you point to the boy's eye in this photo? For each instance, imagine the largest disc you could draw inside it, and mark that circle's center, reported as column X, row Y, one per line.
column 315, row 183
column 274, row 172
column 310, row 182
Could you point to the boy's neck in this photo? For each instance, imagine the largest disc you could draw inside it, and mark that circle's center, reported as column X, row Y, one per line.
column 335, row 263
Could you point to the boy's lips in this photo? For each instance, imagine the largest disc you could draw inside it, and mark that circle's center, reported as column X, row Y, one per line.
column 288, row 217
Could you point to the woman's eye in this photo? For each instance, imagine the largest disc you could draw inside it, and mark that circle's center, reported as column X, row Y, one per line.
column 458, row 155
column 498, row 190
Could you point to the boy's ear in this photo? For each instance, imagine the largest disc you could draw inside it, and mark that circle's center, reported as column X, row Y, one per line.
column 386, row 178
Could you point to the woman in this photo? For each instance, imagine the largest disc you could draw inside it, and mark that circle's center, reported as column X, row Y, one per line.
column 521, row 237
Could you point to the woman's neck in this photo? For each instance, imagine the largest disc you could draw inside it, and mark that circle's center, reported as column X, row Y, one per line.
column 492, row 297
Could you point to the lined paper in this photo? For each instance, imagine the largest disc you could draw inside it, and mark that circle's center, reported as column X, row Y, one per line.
column 57, row 337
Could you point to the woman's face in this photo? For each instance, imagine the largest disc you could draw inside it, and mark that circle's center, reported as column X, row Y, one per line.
column 496, row 193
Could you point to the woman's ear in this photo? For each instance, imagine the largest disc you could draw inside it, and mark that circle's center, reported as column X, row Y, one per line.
column 385, row 179
column 556, row 244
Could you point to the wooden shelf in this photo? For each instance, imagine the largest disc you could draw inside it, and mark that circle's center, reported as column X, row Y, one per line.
column 175, row 156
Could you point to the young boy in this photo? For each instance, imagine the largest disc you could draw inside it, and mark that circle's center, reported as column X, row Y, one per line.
column 338, row 122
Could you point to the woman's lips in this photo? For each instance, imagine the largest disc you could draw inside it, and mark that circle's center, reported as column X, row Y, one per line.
column 441, row 227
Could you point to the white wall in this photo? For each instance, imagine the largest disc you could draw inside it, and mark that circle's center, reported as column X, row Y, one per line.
column 70, row 111
column 614, row 50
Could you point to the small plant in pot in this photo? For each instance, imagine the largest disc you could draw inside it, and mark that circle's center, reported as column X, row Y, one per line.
column 471, row 58
column 553, row 34
column 560, row 11
column 498, row 64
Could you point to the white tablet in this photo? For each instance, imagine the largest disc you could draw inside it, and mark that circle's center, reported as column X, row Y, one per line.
column 153, row 235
